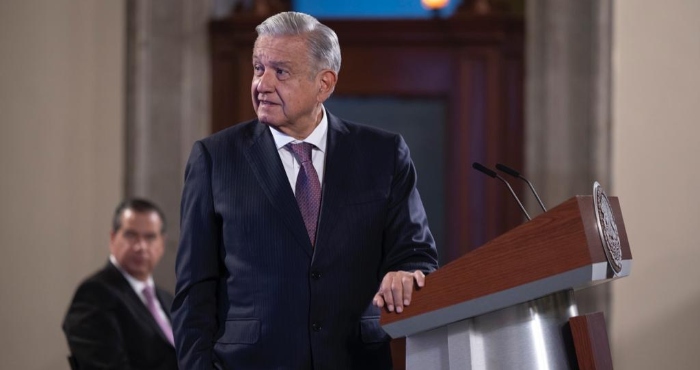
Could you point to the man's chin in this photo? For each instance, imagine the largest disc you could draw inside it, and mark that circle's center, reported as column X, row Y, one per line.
column 269, row 122
column 139, row 271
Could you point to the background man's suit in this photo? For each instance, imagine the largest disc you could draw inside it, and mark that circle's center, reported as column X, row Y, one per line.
column 252, row 292
column 109, row 327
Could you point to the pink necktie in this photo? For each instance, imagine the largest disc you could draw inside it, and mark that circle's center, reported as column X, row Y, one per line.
column 308, row 188
column 151, row 303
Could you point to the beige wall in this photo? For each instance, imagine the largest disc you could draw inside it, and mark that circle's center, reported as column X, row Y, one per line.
column 61, row 160
column 656, row 311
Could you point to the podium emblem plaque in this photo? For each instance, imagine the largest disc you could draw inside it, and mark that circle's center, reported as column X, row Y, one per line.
column 607, row 228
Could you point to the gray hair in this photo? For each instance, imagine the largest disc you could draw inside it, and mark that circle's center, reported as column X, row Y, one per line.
column 323, row 42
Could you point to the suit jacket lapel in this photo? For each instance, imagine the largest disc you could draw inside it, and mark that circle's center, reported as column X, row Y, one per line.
column 265, row 161
column 338, row 160
column 132, row 300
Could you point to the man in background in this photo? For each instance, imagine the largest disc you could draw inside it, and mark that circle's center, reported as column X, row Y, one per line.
column 118, row 318
column 297, row 227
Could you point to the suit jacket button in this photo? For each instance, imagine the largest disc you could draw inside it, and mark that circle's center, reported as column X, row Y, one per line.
column 315, row 275
column 316, row 326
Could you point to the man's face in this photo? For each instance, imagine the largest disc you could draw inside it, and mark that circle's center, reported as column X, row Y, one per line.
column 287, row 93
column 138, row 245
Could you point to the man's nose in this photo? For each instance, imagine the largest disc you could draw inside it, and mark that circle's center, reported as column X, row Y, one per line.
column 266, row 82
column 141, row 244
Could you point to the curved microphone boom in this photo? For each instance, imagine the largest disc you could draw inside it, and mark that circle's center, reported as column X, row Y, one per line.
column 517, row 174
column 479, row 167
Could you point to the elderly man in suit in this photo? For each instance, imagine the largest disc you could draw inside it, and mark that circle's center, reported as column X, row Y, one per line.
column 297, row 227
column 118, row 318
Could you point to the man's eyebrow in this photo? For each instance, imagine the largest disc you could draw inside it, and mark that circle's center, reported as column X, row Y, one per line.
column 281, row 64
column 275, row 63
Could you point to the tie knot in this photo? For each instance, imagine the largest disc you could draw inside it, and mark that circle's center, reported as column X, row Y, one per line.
column 302, row 151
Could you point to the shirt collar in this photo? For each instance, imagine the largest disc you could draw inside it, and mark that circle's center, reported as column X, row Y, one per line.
column 317, row 137
column 135, row 283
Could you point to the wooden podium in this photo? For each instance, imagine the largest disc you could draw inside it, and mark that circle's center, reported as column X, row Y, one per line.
column 510, row 304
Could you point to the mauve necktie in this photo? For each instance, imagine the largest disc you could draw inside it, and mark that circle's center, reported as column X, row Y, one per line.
column 151, row 303
column 308, row 188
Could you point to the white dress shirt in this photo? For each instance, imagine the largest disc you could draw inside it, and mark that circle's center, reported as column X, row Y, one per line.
column 138, row 285
column 318, row 155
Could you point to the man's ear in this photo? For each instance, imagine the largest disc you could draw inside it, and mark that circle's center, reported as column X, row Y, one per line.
column 327, row 82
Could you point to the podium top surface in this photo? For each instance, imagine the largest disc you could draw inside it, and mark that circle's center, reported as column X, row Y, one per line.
column 558, row 250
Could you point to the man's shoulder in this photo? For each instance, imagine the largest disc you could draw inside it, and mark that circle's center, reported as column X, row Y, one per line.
column 236, row 133
column 361, row 130
column 100, row 287
column 103, row 275
column 108, row 278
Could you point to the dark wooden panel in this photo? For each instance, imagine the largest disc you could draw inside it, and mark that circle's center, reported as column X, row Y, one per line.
column 408, row 71
column 591, row 342
column 398, row 353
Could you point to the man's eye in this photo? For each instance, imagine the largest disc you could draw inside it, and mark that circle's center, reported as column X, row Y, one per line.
column 281, row 73
column 258, row 69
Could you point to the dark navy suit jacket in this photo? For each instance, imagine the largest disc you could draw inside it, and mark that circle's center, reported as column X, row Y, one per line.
column 252, row 292
column 108, row 326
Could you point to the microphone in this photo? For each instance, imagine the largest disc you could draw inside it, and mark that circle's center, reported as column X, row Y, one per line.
column 515, row 173
column 477, row 166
